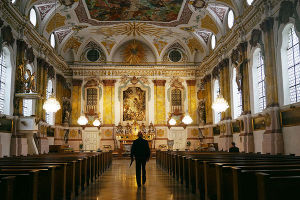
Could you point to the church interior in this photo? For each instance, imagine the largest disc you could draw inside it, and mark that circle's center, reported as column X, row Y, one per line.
column 79, row 79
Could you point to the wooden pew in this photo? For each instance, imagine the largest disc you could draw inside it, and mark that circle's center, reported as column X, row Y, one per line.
column 277, row 187
column 7, row 187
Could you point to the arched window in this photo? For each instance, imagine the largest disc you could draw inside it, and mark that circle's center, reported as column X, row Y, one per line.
column 216, row 94
column 230, row 19
column 5, row 81
column 249, row 2
column 27, row 103
column 237, row 96
column 290, row 58
column 213, row 41
column 91, row 100
column 176, row 100
column 52, row 40
column 33, row 17
column 50, row 115
column 258, row 74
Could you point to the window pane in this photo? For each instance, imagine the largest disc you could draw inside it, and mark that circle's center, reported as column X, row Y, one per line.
column 261, row 83
column 293, row 66
column 237, row 96
column 2, row 82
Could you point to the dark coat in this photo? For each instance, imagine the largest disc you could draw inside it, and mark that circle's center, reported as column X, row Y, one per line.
column 140, row 149
column 234, row 149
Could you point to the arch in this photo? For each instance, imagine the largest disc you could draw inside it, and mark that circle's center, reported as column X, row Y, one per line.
column 288, row 68
column 88, row 43
column 152, row 55
column 137, row 38
column 178, row 44
column 258, row 101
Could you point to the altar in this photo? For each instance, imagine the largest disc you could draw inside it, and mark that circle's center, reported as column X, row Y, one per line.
column 125, row 135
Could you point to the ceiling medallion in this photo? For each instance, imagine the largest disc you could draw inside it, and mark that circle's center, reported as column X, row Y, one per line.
column 198, row 4
column 134, row 53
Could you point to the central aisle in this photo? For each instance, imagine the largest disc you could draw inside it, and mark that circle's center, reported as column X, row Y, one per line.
column 118, row 182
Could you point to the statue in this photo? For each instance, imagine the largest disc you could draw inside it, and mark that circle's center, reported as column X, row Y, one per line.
column 66, row 111
column 66, row 136
column 201, row 112
column 128, row 129
column 30, row 82
column 143, row 128
column 119, row 129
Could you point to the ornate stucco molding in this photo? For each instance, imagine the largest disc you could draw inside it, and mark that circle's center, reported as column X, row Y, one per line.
column 28, row 33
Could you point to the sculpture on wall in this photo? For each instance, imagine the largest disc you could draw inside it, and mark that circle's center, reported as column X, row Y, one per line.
column 26, row 79
column 134, row 104
column 66, row 111
column 201, row 112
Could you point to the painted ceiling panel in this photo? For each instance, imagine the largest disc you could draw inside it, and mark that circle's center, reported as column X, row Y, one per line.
column 141, row 10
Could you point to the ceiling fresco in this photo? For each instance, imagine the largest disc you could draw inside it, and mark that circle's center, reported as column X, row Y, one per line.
column 157, row 23
column 141, row 10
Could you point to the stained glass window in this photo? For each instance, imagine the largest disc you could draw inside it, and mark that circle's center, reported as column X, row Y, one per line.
column 293, row 66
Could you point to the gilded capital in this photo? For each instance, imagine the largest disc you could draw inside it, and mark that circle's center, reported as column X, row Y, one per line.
column 191, row 82
column 159, row 82
column 109, row 82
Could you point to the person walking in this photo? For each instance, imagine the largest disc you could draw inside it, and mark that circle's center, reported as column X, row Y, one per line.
column 141, row 152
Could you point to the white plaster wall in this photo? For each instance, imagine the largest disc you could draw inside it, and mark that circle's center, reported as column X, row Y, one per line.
column 50, row 140
column 291, row 138
column 5, row 139
column 258, row 138
column 236, row 140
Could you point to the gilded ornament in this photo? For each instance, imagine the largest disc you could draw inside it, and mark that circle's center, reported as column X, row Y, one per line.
column 134, row 53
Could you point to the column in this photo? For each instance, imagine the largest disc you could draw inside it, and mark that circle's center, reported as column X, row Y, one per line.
column 225, row 86
column 76, row 101
column 192, row 100
column 108, row 102
column 159, row 102
column 272, row 138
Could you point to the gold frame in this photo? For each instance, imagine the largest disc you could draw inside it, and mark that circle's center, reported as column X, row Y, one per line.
column 289, row 110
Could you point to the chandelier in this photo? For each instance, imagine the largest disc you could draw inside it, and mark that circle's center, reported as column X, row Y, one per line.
column 187, row 119
column 220, row 104
column 96, row 122
column 51, row 105
column 172, row 122
column 82, row 120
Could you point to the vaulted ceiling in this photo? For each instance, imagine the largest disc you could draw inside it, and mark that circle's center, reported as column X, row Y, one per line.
column 109, row 24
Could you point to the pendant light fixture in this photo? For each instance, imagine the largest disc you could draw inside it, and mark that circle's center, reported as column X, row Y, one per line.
column 96, row 122
column 220, row 104
column 51, row 105
column 172, row 121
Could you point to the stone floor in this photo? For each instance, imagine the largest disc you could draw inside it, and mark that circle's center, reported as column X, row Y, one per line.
column 119, row 183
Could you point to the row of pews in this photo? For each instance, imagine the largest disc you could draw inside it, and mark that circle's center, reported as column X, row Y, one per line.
column 56, row 176
column 234, row 176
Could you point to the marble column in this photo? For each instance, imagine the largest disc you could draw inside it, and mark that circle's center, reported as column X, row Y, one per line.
column 159, row 102
column 192, row 100
column 272, row 138
column 108, row 102
column 208, row 99
column 76, row 101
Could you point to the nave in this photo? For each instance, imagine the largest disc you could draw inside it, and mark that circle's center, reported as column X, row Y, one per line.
column 118, row 183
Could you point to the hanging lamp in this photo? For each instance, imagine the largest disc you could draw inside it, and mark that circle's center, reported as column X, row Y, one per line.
column 172, row 121
column 220, row 104
column 96, row 123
